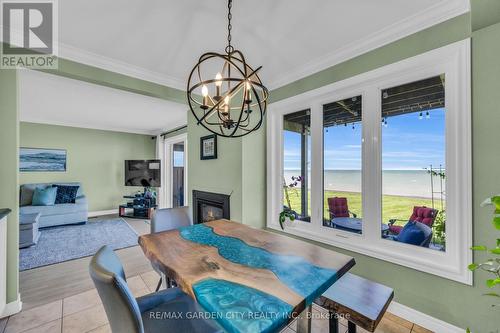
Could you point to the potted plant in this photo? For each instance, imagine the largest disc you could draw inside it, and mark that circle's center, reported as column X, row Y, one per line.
column 287, row 217
column 492, row 264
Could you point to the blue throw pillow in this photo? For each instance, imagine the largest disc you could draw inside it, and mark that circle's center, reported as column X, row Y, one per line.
column 411, row 234
column 44, row 196
column 66, row 194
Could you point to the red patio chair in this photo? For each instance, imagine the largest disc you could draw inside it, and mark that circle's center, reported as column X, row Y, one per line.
column 338, row 208
column 420, row 214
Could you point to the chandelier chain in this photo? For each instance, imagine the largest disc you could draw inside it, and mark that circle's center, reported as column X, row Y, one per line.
column 229, row 47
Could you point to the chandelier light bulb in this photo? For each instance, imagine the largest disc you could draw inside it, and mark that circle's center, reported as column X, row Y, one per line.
column 204, row 91
column 218, row 78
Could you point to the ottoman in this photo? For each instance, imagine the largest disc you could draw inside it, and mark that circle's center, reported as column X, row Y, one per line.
column 28, row 229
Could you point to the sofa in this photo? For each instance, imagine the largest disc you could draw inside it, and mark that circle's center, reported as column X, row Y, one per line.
column 59, row 214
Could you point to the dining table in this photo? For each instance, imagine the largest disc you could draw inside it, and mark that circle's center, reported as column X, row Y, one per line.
column 250, row 280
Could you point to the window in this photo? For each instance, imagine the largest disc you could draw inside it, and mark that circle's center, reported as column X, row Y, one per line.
column 296, row 166
column 413, row 162
column 380, row 163
column 342, row 134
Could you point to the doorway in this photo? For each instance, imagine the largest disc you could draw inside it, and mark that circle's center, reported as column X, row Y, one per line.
column 176, row 171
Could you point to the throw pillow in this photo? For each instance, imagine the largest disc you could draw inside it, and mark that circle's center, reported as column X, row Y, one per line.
column 44, row 196
column 66, row 194
column 411, row 234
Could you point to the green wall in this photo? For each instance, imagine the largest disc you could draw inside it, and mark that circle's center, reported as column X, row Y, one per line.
column 94, row 157
column 453, row 302
column 221, row 175
column 9, row 141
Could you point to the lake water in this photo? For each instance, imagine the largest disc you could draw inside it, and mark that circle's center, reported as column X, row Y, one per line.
column 411, row 183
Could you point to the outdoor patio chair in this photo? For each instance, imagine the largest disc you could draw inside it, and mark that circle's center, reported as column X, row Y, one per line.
column 420, row 214
column 338, row 208
column 414, row 233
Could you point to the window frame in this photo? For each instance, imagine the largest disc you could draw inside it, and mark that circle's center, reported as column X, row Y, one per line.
column 454, row 62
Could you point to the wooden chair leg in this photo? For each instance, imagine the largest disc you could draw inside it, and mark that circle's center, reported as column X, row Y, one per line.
column 333, row 326
column 351, row 327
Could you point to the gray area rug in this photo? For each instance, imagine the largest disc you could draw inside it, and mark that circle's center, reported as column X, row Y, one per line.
column 70, row 242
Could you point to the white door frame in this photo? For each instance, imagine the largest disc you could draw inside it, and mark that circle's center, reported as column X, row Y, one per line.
column 168, row 158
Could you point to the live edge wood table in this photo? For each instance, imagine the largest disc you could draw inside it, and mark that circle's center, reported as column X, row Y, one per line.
column 251, row 280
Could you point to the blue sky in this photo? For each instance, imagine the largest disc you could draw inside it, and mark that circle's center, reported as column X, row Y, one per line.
column 408, row 143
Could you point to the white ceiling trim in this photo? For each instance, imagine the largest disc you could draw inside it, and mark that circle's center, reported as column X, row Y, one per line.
column 422, row 20
column 92, row 59
column 30, row 119
column 438, row 13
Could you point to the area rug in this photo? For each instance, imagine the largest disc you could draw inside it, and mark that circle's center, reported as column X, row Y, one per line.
column 70, row 242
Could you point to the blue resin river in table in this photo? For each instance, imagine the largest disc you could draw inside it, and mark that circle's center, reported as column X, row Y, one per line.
column 240, row 308
column 298, row 274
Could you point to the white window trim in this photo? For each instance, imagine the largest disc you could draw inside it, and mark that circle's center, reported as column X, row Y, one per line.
column 454, row 61
column 168, row 164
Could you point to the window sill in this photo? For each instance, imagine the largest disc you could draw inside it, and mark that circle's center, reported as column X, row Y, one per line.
column 421, row 259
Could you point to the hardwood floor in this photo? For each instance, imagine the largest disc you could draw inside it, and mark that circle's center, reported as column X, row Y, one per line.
column 54, row 282
column 61, row 298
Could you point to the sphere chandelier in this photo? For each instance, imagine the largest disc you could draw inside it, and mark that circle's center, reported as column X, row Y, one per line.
column 233, row 101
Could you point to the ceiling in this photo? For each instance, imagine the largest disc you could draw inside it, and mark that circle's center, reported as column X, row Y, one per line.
column 52, row 99
column 161, row 40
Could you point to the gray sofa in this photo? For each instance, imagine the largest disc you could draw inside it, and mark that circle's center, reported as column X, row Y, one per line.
column 60, row 214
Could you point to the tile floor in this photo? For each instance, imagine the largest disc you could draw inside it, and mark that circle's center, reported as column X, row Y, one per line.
column 83, row 312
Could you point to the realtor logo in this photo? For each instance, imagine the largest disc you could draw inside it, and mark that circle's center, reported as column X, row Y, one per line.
column 29, row 34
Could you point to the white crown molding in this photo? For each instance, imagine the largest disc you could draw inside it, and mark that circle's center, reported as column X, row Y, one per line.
column 422, row 319
column 102, row 128
column 89, row 58
column 438, row 13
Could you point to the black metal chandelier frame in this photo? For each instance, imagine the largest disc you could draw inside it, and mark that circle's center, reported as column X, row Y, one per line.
column 247, row 81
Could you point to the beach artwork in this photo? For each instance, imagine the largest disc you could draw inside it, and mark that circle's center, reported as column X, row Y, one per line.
column 41, row 159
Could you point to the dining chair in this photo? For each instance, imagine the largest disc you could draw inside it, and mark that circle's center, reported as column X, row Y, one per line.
column 168, row 219
column 146, row 314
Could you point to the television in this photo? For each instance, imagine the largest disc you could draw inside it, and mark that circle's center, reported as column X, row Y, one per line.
column 145, row 173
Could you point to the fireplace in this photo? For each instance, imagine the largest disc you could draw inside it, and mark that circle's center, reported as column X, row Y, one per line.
column 209, row 206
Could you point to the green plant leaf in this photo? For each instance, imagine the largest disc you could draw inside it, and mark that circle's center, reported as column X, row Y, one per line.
column 479, row 248
column 495, row 251
column 496, row 222
column 498, row 242
column 292, row 217
column 492, row 294
column 496, row 201
column 473, row 267
column 492, row 282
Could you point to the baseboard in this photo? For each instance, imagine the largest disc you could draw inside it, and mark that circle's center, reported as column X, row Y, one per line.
column 103, row 212
column 12, row 307
column 422, row 319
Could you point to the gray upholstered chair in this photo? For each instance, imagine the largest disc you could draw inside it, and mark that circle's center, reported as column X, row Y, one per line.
column 127, row 314
column 168, row 219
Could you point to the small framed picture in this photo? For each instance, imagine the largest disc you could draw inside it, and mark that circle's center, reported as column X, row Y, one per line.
column 208, row 147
